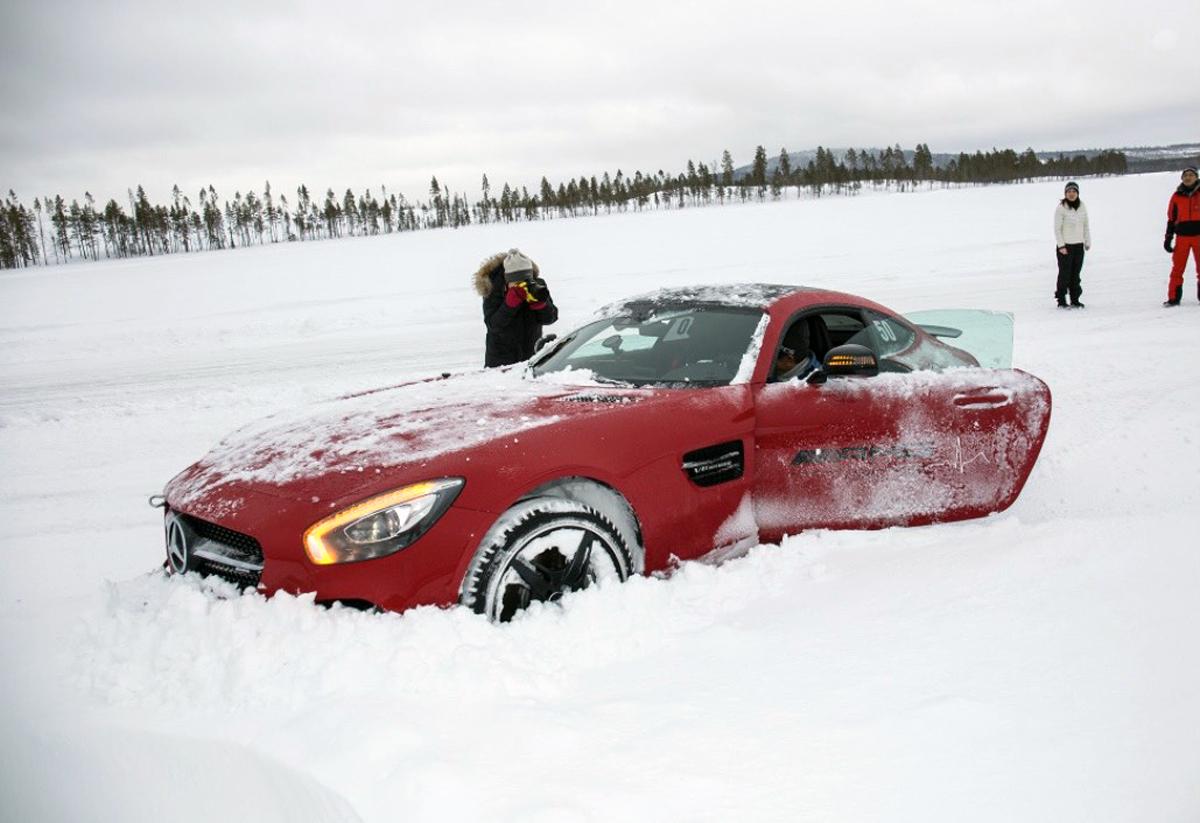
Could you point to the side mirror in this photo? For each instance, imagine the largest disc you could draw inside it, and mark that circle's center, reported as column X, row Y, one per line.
column 542, row 341
column 850, row 360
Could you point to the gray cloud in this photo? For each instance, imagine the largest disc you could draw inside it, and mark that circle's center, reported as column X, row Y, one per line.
column 108, row 95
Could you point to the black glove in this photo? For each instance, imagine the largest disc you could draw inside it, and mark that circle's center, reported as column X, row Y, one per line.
column 1167, row 245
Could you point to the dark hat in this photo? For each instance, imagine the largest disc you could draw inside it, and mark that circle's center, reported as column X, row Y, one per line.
column 1192, row 169
column 1071, row 185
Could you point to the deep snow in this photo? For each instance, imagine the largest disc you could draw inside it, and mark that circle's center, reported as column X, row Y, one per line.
column 1036, row 665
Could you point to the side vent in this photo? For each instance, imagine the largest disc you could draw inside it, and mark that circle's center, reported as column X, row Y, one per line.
column 595, row 398
column 715, row 464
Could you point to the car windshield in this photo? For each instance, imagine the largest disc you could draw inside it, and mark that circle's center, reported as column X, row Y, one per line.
column 659, row 345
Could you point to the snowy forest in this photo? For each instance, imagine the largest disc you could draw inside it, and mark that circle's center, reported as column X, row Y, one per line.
column 53, row 231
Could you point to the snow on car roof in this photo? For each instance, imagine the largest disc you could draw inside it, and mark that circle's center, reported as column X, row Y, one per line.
column 739, row 295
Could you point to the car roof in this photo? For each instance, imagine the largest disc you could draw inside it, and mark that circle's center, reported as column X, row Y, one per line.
column 764, row 296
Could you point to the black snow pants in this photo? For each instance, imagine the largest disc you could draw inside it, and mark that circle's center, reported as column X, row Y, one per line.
column 1069, row 267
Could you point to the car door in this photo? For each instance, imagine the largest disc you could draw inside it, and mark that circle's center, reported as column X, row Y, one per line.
column 986, row 335
column 812, row 442
column 901, row 448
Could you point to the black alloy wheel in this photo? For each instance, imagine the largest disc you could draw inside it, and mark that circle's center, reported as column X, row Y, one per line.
column 545, row 549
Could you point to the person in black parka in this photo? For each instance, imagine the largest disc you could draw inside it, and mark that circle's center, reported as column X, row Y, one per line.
column 516, row 304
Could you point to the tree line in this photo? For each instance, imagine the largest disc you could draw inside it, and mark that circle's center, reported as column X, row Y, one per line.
column 51, row 231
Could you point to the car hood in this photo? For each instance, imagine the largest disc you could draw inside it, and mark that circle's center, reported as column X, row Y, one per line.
column 330, row 449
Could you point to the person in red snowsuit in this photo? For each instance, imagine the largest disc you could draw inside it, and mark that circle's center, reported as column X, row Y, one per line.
column 1183, row 226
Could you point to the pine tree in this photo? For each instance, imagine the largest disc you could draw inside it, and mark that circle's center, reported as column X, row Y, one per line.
column 37, row 207
column 144, row 218
column 388, row 211
column 269, row 211
column 116, row 229
column 758, row 171
column 303, row 205
column 922, row 162
column 350, row 212
column 437, row 203
column 89, row 226
column 506, row 203
column 61, row 225
column 8, row 241
column 331, row 214
column 213, row 222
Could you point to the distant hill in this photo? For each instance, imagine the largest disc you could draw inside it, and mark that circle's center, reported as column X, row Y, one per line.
column 1141, row 158
column 1162, row 158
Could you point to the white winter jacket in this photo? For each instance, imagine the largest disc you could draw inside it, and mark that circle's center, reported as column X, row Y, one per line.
column 1071, row 225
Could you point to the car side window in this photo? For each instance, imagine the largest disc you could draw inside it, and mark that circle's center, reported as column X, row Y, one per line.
column 886, row 336
column 842, row 326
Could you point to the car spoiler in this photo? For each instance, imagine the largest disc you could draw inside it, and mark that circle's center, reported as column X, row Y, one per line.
column 940, row 331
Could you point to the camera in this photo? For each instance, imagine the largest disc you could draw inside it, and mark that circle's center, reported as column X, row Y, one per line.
column 537, row 288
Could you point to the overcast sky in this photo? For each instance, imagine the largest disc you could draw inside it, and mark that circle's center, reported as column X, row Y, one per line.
column 102, row 96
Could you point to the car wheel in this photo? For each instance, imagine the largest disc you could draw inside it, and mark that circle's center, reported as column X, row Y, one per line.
column 540, row 550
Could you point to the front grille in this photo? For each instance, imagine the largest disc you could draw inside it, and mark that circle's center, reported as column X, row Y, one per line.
column 210, row 539
column 240, row 577
column 234, row 544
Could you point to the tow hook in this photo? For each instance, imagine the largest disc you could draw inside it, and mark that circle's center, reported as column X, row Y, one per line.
column 158, row 501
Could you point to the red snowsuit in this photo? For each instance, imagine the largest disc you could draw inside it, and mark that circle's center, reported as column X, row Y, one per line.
column 1183, row 221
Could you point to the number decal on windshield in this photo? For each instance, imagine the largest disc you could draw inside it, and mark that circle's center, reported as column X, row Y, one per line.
column 679, row 329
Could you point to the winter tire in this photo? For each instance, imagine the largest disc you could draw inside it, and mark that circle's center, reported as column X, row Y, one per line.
column 540, row 550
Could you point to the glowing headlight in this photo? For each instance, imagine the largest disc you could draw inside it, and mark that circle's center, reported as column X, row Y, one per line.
column 380, row 525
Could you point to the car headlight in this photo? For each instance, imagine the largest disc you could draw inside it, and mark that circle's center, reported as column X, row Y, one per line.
column 380, row 525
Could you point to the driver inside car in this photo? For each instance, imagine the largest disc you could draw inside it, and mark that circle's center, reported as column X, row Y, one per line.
column 795, row 359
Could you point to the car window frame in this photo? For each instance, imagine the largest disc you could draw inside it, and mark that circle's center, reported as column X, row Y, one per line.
column 797, row 315
column 887, row 362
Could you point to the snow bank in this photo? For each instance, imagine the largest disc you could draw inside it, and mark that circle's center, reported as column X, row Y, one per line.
column 1033, row 665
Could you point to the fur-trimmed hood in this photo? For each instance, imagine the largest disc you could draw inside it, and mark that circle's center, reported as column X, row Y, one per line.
column 482, row 279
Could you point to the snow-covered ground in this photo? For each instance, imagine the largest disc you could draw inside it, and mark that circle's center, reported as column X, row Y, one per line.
column 1037, row 665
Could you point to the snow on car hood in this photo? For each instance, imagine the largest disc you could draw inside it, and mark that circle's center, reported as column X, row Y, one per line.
column 345, row 441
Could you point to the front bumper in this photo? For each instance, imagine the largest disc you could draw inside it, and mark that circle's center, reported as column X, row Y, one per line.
column 428, row 572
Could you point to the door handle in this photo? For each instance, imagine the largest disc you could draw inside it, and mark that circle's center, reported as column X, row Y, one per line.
column 984, row 399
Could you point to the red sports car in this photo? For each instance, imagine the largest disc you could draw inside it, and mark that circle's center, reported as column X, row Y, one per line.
column 675, row 425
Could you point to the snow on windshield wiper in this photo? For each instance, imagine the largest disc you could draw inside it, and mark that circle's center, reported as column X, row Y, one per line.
column 612, row 381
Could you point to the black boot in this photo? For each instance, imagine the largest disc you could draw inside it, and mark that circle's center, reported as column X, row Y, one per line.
column 1075, row 304
column 1175, row 298
column 1062, row 302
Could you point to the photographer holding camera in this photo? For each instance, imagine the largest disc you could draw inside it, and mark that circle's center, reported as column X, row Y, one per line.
column 516, row 304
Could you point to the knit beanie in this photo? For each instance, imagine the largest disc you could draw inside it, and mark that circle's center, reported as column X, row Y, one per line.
column 516, row 263
column 1070, row 186
column 1192, row 169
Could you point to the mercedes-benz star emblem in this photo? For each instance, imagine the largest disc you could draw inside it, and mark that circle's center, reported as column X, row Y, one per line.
column 177, row 547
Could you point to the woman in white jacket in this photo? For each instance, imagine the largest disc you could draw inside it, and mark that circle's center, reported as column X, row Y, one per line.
column 1072, row 237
